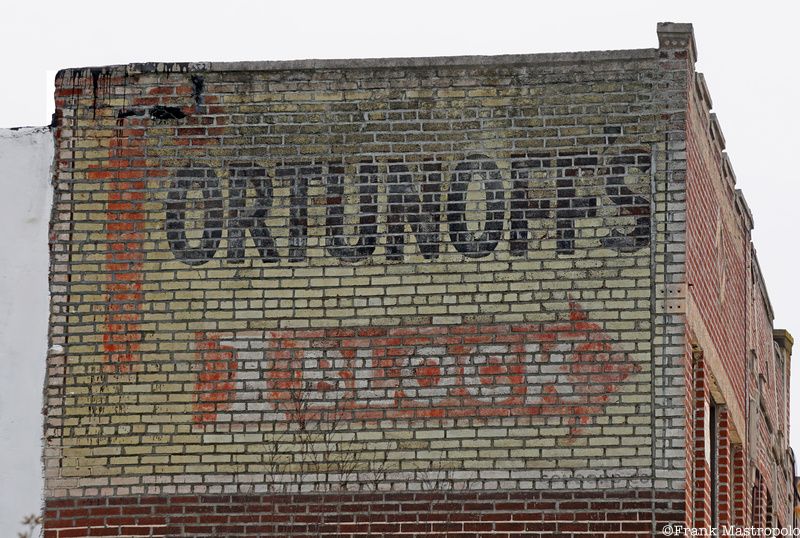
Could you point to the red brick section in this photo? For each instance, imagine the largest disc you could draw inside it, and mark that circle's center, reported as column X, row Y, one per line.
column 533, row 514
column 215, row 381
column 125, row 236
column 724, row 469
column 766, row 393
column 759, row 501
column 739, row 487
column 732, row 317
column 123, row 336
column 717, row 258
column 689, row 424
column 702, row 471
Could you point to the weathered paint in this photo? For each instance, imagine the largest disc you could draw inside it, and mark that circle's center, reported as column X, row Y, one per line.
column 389, row 276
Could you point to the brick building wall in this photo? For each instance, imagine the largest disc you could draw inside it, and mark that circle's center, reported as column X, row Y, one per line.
column 741, row 366
column 375, row 297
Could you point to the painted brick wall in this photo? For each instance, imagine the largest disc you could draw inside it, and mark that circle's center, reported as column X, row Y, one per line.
column 393, row 296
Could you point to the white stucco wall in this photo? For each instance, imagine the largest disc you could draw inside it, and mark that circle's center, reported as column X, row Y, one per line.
column 25, row 197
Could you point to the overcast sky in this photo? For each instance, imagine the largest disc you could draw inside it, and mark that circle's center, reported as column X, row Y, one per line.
column 747, row 51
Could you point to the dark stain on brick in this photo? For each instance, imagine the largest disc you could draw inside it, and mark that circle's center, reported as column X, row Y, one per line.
column 95, row 77
column 127, row 113
column 160, row 112
column 198, row 84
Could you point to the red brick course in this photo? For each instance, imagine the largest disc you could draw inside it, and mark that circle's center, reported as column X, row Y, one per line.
column 505, row 514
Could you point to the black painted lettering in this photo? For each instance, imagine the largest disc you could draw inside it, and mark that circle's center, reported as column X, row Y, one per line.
column 629, row 204
column 476, row 245
column 338, row 243
column 298, row 207
column 404, row 206
column 569, row 205
column 252, row 219
column 177, row 205
column 525, row 203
